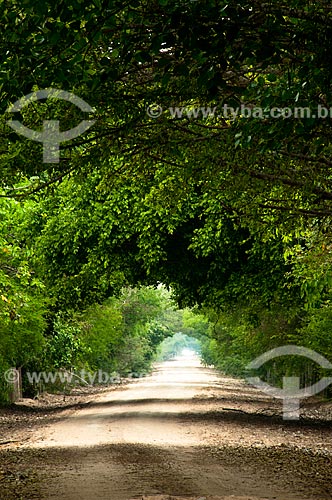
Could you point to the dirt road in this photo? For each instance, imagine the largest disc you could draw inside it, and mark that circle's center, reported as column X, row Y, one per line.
column 184, row 432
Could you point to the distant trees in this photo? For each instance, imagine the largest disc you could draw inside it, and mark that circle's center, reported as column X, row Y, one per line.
column 175, row 345
column 232, row 211
column 122, row 334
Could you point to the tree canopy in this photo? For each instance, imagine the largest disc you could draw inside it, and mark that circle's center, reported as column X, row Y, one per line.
column 207, row 168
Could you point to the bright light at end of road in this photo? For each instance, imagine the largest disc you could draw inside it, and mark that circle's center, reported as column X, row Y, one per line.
column 188, row 352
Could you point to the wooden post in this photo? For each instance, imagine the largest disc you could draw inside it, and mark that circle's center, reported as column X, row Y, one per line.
column 16, row 385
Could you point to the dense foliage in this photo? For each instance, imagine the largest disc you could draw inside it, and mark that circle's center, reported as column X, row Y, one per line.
column 232, row 211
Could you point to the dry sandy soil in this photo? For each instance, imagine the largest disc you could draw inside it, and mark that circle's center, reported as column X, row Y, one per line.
column 185, row 432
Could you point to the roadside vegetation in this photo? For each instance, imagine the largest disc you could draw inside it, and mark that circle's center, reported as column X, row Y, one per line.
column 225, row 217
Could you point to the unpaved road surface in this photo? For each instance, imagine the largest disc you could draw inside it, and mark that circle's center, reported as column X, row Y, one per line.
column 183, row 432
